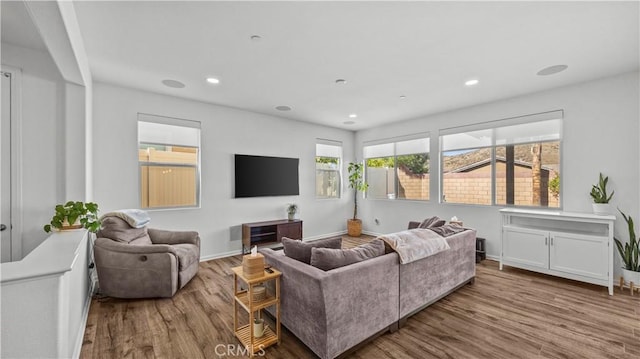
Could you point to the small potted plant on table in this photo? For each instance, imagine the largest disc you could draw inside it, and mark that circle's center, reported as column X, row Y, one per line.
column 600, row 197
column 74, row 215
column 292, row 209
column 356, row 181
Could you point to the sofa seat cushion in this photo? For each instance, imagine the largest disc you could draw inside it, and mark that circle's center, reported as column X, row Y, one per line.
column 119, row 230
column 301, row 251
column 328, row 258
column 187, row 254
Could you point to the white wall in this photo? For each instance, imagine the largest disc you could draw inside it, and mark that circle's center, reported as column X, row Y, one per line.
column 600, row 135
column 225, row 131
column 43, row 165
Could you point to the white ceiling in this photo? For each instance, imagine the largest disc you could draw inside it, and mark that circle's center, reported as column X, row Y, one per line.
column 18, row 28
column 423, row 50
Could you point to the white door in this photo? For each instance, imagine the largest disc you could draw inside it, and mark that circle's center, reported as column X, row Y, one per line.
column 5, row 163
column 525, row 247
column 583, row 255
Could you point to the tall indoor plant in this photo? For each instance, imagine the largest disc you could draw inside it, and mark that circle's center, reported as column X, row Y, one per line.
column 73, row 215
column 600, row 197
column 630, row 252
column 356, row 181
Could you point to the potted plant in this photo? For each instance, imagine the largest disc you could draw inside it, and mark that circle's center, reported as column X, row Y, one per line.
column 292, row 209
column 630, row 252
column 74, row 215
column 600, row 197
column 356, row 181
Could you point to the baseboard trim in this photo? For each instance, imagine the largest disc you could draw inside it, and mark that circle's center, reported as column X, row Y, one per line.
column 493, row 258
column 220, row 255
column 239, row 251
column 326, row 235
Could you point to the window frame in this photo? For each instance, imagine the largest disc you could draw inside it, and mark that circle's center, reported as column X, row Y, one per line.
column 337, row 144
column 494, row 126
column 165, row 120
column 393, row 142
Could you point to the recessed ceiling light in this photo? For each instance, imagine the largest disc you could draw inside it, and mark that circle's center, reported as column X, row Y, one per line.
column 213, row 80
column 283, row 108
column 349, row 122
column 471, row 82
column 173, row 84
column 552, row 70
column 353, row 115
column 341, row 81
column 403, row 97
column 255, row 38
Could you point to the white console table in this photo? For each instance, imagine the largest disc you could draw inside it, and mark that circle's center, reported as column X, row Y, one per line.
column 576, row 246
column 45, row 299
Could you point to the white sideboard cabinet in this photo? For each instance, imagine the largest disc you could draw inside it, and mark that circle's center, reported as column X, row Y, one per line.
column 576, row 246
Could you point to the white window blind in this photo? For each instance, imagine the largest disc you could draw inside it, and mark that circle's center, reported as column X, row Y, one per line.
column 150, row 132
column 420, row 145
column 545, row 126
column 323, row 150
column 375, row 151
column 474, row 139
column 529, row 132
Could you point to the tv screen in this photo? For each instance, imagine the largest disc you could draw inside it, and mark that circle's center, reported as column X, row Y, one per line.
column 260, row 176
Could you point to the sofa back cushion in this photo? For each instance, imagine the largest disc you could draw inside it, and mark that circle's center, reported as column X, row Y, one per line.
column 328, row 259
column 119, row 230
column 301, row 251
column 432, row 222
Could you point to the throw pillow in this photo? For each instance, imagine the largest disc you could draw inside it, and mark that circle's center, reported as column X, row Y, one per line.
column 301, row 251
column 434, row 221
column 327, row 259
column 119, row 230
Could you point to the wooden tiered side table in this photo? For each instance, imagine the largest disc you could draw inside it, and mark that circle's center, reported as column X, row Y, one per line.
column 243, row 298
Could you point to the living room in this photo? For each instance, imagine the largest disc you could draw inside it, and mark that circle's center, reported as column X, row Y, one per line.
column 81, row 111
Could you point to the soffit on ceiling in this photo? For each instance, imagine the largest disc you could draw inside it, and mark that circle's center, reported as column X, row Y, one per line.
column 18, row 28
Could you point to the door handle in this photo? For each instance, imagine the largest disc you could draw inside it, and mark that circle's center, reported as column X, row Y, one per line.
column 545, row 240
column 2, row 227
column 551, row 240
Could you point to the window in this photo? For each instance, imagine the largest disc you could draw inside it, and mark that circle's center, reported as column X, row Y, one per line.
column 169, row 161
column 514, row 162
column 328, row 162
column 398, row 170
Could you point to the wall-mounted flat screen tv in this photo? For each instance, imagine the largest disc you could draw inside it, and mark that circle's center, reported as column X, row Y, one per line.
column 261, row 176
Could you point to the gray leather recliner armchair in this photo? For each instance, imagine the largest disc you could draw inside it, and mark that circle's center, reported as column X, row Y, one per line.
column 144, row 262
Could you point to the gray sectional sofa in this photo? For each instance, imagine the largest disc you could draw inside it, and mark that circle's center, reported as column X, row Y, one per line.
column 333, row 311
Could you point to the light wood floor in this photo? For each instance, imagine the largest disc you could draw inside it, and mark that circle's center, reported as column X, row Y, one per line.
column 505, row 314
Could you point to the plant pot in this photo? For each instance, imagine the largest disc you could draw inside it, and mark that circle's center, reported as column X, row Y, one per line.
column 631, row 276
column 354, row 227
column 601, row 208
column 291, row 216
column 66, row 226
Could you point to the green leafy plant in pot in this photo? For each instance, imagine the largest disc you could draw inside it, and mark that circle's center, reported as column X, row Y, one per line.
column 600, row 197
column 74, row 215
column 630, row 252
column 356, row 181
column 292, row 209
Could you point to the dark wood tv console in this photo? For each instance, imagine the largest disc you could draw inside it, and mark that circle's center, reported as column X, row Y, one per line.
column 269, row 232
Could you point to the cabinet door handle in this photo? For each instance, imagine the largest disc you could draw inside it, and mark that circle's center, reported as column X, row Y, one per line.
column 545, row 240
column 551, row 240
